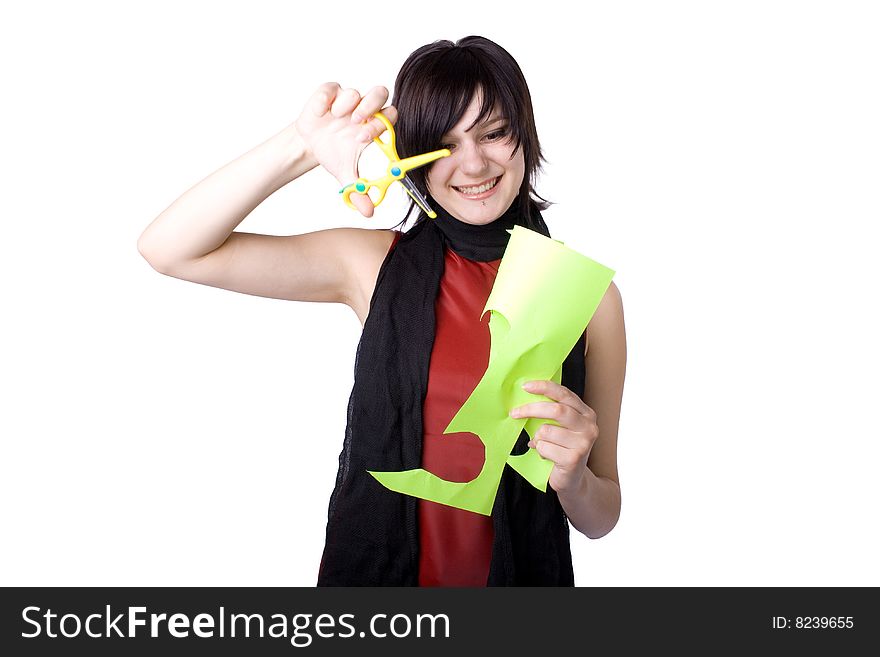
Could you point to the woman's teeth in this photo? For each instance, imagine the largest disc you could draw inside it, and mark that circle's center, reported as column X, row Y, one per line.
column 473, row 191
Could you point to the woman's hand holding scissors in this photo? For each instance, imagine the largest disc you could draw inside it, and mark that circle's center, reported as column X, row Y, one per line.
column 337, row 124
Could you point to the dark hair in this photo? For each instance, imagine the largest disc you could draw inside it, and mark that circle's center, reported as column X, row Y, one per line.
column 434, row 88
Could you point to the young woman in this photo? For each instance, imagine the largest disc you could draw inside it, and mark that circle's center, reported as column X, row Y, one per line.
column 419, row 295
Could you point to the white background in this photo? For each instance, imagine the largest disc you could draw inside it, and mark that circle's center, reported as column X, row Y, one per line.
column 721, row 157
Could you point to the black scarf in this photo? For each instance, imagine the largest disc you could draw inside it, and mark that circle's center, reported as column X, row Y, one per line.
column 372, row 533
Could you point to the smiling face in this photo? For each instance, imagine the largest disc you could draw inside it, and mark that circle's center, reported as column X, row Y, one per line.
column 482, row 177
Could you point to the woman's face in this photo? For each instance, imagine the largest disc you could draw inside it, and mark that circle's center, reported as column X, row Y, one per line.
column 462, row 183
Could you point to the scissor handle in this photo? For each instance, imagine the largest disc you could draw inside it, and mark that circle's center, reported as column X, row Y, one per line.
column 397, row 168
column 388, row 147
column 363, row 186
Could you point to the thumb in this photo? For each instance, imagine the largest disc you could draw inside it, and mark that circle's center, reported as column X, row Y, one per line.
column 363, row 203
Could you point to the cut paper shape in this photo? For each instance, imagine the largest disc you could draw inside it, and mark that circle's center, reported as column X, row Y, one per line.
column 543, row 297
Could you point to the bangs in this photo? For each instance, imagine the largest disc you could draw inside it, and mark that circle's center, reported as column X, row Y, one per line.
column 440, row 95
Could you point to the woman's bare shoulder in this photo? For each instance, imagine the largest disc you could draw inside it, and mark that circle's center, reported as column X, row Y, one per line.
column 607, row 322
column 374, row 244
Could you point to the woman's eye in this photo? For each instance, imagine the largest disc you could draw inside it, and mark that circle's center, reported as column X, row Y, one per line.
column 495, row 135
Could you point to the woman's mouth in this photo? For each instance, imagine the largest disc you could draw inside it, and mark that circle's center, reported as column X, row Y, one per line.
column 480, row 191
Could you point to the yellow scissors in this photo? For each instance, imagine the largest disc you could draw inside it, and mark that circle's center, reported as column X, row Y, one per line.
column 396, row 171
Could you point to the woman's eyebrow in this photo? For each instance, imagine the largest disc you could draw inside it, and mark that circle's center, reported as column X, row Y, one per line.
column 493, row 121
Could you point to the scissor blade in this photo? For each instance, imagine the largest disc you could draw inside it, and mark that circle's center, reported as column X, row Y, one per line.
column 417, row 197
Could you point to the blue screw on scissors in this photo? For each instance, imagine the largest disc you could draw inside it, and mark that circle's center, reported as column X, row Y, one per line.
column 396, row 171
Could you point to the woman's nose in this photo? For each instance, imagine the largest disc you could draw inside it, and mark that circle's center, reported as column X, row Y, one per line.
column 472, row 159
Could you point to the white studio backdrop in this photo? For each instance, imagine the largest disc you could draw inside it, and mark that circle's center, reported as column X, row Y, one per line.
column 721, row 157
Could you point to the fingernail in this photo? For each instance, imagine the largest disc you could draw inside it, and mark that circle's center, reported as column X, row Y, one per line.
column 514, row 413
column 527, row 385
column 356, row 118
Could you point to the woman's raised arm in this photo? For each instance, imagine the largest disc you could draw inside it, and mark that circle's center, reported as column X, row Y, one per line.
column 193, row 238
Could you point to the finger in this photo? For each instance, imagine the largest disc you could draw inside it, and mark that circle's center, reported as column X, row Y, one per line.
column 561, row 456
column 565, row 415
column 346, row 101
column 557, row 392
column 562, row 437
column 349, row 175
column 363, row 203
column 390, row 113
column 370, row 104
column 320, row 101
column 374, row 127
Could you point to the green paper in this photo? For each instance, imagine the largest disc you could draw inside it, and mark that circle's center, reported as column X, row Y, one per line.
column 544, row 296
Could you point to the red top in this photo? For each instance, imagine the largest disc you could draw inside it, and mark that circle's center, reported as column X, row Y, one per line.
column 455, row 546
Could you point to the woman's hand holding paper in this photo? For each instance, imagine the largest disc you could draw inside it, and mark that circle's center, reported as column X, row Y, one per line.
column 568, row 441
